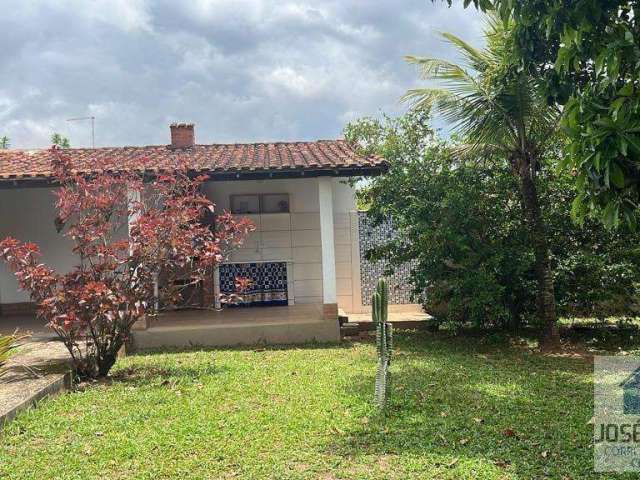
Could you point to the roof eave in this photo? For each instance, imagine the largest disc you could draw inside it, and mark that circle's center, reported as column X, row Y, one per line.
column 229, row 175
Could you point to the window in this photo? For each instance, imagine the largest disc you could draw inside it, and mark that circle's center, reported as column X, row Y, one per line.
column 260, row 203
column 245, row 204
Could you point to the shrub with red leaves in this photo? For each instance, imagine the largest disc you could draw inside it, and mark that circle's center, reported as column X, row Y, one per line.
column 134, row 237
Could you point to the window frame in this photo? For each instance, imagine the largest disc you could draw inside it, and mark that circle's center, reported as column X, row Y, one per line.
column 260, row 202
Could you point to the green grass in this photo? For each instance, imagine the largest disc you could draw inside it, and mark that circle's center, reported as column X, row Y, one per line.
column 461, row 408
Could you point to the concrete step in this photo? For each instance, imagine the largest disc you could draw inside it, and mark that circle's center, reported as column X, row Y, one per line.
column 348, row 325
column 342, row 317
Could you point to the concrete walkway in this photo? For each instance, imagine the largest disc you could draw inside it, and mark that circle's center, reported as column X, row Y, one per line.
column 24, row 324
column 39, row 368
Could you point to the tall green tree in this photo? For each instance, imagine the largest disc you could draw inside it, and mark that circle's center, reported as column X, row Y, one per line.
column 500, row 112
column 459, row 225
column 4, row 142
column 588, row 54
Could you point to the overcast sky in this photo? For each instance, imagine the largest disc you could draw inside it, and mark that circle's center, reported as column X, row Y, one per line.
column 241, row 70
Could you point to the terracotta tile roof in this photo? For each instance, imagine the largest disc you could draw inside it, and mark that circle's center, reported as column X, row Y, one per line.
column 320, row 157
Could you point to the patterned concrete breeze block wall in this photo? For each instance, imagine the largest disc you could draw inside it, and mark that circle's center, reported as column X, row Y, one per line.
column 370, row 237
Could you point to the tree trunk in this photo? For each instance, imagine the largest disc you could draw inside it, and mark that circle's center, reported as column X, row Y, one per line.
column 109, row 355
column 105, row 363
column 545, row 295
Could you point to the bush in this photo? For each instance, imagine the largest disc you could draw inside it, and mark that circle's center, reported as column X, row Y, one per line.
column 463, row 226
column 93, row 307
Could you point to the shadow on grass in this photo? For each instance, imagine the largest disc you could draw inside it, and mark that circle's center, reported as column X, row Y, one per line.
column 467, row 399
column 140, row 375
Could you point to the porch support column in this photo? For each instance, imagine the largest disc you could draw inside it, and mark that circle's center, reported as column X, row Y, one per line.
column 133, row 196
column 216, row 288
column 329, row 295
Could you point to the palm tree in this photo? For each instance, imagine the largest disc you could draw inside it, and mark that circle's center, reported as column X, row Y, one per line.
column 501, row 113
column 4, row 142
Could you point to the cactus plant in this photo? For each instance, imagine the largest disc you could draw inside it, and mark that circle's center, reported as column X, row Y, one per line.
column 384, row 341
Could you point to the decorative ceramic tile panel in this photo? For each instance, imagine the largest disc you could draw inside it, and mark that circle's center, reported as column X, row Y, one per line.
column 371, row 236
column 268, row 282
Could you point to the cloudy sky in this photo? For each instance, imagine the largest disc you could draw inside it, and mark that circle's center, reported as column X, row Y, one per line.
column 242, row 70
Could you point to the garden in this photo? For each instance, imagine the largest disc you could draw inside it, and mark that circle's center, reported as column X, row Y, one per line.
column 520, row 226
column 461, row 407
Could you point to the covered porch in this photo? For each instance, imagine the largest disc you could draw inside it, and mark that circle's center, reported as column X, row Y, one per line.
column 299, row 260
column 313, row 245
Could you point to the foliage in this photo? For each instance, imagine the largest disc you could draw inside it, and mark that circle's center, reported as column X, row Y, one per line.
column 460, row 222
column 500, row 114
column 93, row 307
column 497, row 109
column 8, row 344
column 4, row 142
column 384, row 341
column 60, row 141
column 588, row 53
column 306, row 413
column 597, row 270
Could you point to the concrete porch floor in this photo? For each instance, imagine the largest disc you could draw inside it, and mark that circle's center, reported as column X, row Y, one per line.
column 232, row 326
column 238, row 326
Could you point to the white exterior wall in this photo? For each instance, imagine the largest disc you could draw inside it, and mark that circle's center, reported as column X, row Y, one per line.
column 27, row 214
column 295, row 236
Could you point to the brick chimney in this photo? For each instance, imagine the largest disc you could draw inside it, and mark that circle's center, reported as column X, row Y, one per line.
column 182, row 135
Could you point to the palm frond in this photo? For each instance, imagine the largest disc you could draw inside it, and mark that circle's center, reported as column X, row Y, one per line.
column 437, row 69
column 494, row 108
column 475, row 58
column 471, row 151
column 420, row 98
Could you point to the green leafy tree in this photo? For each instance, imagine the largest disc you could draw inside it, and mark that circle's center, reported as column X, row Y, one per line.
column 597, row 270
column 588, row 53
column 500, row 112
column 460, row 224
column 4, row 142
column 60, row 141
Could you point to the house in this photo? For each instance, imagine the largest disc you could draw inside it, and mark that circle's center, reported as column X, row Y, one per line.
column 303, row 256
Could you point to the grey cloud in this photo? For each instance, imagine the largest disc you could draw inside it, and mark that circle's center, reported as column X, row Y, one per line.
column 242, row 70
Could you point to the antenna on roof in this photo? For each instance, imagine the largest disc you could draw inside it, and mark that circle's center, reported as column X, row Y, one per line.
column 93, row 127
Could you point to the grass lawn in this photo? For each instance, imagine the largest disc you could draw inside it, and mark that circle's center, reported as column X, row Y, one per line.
column 461, row 408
